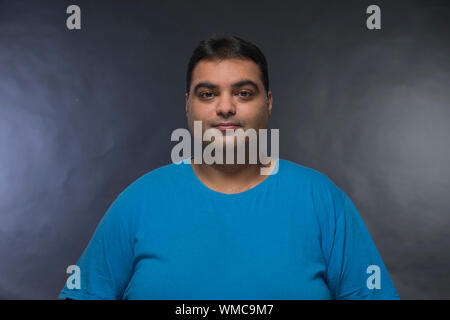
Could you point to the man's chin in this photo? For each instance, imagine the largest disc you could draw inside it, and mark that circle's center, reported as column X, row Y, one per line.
column 223, row 143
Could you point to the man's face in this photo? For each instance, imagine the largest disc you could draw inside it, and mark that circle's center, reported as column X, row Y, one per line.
column 228, row 94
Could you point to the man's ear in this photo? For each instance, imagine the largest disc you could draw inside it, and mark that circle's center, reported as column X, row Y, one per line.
column 186, row 96
column 269, row 102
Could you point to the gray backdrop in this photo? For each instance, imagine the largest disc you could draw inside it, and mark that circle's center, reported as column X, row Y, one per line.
column 84, row 113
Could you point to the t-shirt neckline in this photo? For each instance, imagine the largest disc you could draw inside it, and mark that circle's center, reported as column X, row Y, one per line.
column 252, row 190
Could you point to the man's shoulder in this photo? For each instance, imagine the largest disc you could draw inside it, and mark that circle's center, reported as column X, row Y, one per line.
column 304, row 173
column 315, row 185
column 166, row 175
column 165, row 171
column 308, row 179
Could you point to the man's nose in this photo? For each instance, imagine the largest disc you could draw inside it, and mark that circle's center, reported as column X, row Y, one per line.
column 225, row 105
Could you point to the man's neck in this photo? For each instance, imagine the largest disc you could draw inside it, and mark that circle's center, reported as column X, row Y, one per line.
column 230, row 178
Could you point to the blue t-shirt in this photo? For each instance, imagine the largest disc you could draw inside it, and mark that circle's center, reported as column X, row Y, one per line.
column 295, row 235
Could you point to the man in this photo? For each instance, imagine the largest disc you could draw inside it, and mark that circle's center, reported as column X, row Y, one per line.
column 193, row 230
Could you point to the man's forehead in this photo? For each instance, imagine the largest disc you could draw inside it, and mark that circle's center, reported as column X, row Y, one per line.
column 226, row 72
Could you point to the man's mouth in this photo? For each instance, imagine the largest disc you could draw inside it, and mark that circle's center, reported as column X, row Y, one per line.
column 227, row 125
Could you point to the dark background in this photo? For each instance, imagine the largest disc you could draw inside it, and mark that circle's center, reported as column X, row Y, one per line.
column 84, row 113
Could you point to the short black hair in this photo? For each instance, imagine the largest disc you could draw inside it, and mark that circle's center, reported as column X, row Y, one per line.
column 223, row 46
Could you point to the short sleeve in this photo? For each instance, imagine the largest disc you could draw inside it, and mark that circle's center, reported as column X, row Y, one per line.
column 107, row 261
column 355, row 270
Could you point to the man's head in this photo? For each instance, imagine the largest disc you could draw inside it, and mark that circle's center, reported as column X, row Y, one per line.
column 228, row 84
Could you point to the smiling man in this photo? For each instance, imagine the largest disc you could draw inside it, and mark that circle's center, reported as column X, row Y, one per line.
column 193, row 230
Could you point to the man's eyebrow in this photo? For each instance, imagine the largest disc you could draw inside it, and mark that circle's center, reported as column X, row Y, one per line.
column 205, row 84
column 209, row 85
column 244, row 83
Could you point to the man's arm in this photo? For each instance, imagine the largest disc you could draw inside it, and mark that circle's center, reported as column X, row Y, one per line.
column 355, row 269
column 106, row 263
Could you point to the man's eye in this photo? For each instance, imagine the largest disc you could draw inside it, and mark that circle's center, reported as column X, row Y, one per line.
column 206, row 95
column 245, row 94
